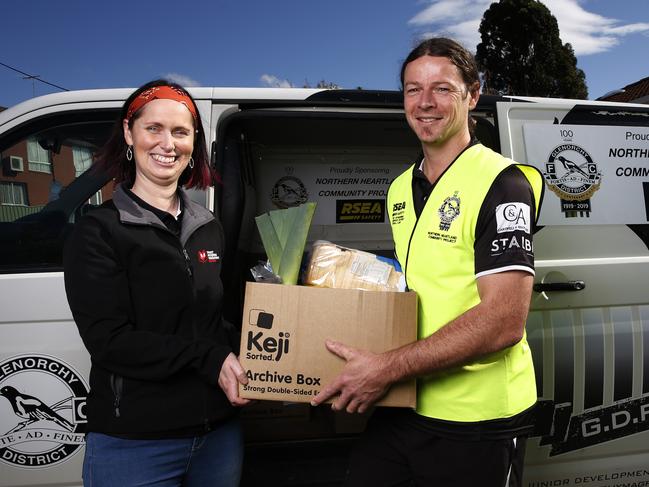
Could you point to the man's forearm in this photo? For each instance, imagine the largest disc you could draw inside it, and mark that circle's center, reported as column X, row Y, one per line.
column 496, row 323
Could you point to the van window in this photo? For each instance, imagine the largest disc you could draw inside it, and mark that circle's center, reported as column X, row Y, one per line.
column 41, row 199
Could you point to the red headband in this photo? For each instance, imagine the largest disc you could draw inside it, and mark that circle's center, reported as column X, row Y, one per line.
column 161, row 93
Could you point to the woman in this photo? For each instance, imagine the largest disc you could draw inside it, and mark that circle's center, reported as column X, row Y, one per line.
column 142, row 280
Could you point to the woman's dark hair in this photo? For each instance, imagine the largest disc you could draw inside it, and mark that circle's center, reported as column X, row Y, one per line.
column 112, row 156
column 448, row 48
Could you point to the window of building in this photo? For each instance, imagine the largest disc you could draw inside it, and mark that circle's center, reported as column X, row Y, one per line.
column 16, row 163
column 39, row 158
column 82, row 157
column 13, row 194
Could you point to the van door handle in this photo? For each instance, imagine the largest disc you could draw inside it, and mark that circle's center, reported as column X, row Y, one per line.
column 541, row 287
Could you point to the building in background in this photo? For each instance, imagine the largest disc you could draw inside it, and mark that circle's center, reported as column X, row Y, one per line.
column 637, row 92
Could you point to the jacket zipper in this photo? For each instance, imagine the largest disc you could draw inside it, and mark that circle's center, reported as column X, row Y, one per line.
column 188, row 266
column 116, row 380
column 116, row 384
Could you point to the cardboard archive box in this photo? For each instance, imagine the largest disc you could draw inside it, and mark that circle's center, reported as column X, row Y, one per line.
column 285, row 327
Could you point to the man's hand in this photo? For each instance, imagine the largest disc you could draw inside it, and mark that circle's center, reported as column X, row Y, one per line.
column 362, row 382
column 231, row 375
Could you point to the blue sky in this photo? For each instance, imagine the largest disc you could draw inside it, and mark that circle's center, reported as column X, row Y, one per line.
column 81, row 44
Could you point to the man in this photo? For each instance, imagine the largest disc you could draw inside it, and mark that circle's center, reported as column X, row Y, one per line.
column 462, row 221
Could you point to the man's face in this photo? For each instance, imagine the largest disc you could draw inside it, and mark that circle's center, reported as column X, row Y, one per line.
column 436, row 100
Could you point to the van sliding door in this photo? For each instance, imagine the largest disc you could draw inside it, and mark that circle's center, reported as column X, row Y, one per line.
column 589, row 325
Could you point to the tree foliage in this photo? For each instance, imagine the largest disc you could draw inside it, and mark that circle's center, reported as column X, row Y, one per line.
column 521, row 53
column 330, row 85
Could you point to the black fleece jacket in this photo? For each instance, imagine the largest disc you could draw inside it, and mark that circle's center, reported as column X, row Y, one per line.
column 148, row 308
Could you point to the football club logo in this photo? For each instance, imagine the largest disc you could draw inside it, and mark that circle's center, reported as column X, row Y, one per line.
column 573, row 176
column 42, row 411
column 289, row 191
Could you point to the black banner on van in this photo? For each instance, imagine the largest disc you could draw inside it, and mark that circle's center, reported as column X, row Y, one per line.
column 360, row 211
column 598, row 425
column 645, row 187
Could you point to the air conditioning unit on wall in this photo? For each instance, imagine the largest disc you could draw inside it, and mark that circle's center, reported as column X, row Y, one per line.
column 16, row 163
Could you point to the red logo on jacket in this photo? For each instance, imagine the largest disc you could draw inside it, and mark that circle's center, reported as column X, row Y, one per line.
column 207, row 256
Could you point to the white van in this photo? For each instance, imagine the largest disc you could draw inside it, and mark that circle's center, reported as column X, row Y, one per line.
column 589, row 324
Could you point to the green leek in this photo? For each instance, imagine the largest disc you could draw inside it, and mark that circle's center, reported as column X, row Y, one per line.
column 283, row 234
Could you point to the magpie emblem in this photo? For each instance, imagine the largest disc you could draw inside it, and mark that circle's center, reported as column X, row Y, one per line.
column 573, row 175
column 32, row 409
column 42, row 411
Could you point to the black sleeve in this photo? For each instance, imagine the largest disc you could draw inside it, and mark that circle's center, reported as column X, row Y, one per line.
column 97, row 289
column 505, row 225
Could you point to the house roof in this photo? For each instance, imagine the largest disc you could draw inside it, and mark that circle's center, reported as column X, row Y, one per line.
column 635, row 92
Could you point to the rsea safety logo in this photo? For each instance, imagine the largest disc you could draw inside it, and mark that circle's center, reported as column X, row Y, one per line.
column 398, row 212
column 360, row 211
column 42, row 411
column 261, row 345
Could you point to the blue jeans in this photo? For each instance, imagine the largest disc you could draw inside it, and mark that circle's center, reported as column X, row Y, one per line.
column 212, row 460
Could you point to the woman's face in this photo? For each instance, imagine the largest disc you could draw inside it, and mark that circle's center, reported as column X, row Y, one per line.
column 162, row 137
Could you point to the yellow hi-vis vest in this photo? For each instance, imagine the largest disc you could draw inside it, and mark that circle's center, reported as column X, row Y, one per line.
column 437, row 256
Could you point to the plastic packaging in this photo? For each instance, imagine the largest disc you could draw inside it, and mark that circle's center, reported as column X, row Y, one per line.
column 333, row 266
column 263, row 272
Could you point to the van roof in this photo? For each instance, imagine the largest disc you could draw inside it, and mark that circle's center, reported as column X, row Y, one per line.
column 120, row 94
column 114, row 97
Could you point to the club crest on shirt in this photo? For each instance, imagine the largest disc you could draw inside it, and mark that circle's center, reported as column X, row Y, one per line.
column 449, row 211
column 42, row 411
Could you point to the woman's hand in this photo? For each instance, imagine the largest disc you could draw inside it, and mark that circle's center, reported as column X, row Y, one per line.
column 231, row 375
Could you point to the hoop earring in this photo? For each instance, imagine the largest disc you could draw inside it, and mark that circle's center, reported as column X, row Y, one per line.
column 129, row 153
column 191, row 163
